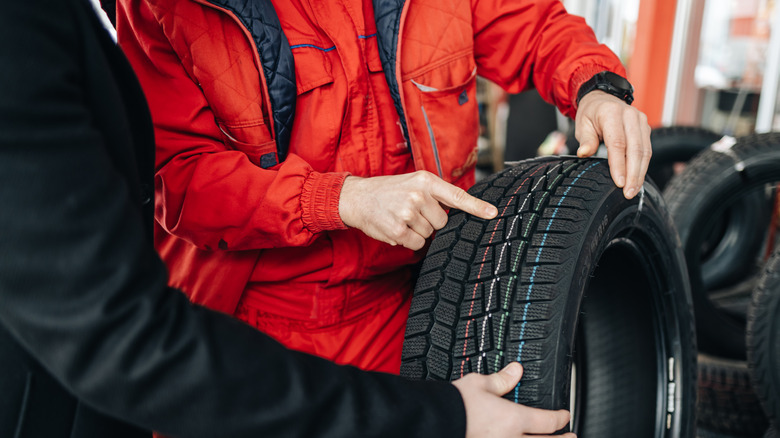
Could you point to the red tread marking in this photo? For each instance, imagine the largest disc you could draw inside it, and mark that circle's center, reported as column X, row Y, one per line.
column 484, row 257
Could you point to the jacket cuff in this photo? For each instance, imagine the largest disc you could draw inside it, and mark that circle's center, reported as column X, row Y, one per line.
column 582, row 75
column 320, row 201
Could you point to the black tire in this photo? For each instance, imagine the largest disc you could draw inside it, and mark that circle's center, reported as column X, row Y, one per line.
column 772, row 433
column 704, row 433
column 570, row 268
column 763, row 339
column 721, row 201
column 676, row 144
column 727, row 402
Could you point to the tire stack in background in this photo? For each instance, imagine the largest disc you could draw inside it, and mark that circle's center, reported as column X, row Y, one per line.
column 724, row 207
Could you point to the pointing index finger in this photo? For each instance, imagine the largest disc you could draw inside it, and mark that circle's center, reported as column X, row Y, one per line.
column 456, row 197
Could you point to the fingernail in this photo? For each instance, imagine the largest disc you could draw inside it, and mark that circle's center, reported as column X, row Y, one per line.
column 514, row 370
column 580, row 151
column 491, row 211
column 630, row 193
column 621, row 181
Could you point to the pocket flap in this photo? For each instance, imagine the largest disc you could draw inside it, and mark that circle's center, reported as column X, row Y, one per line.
column 312, row 66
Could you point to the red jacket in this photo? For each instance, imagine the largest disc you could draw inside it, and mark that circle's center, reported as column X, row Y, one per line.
column 227, row 224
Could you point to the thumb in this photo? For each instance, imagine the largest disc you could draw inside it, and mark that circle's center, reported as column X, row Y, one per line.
column 503, row 381
column 589, row 141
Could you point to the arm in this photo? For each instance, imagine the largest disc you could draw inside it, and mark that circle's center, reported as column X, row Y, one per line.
column 84, row 293
column 536, row 43
column 207, row 192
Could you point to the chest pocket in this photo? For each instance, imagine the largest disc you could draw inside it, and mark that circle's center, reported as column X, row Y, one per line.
column 445, row 125
column 313, row 67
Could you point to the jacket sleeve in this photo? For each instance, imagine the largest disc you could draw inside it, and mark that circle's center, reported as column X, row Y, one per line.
column 208, row 193
column 536, row 43
column 83, row 291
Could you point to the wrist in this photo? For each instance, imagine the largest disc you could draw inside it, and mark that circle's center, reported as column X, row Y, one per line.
column 320, row 201
column 609, row 83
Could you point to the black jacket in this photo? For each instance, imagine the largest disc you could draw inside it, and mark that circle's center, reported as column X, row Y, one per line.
column 88, row 328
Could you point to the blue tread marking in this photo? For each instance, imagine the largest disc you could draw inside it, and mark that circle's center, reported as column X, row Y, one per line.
column 533, row 274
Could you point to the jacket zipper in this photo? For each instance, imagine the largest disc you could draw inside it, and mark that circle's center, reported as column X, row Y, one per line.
column 433, row 141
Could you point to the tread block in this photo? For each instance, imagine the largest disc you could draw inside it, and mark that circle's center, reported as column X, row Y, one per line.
column 442, row 337
column 568, row 202
column 558, row 225
column 434, row 262
column 492, row 297
column 531, row 311
column 493, row 194
column 540, row 201
column 414, row 347
column 442, row 242
column 466, row 347
column 540, row 274
column 461, row 367
column 543, row 292
column 484, row 334
column 501, row 264
column 525, row 351
column 472, row 308
column 492, row 237
column 413, row 369
column 464, row 251
column 424, row 302
column 504, row 181
column 419, row 324
column 554, row 240
column 472, row 231
column 439, row 364
column 546, row 256
column 455, row 221
column 524, row 202
column 529, row 331
column 451, row 291
column 517, row 251
column 429, row 281
column 481, row 272
column 446, row 313
column 528, row 225
column 458, row 270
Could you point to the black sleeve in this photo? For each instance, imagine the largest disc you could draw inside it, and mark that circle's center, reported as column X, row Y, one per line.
column 84, row 293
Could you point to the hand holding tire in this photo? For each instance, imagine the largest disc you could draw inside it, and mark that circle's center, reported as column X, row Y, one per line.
column 489, row 415
column 404, row 209
column 625, row 132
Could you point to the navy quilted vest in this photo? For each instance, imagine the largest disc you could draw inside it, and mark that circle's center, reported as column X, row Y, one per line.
column 259, row 17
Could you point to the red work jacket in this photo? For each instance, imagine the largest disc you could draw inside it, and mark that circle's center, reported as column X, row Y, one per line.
column 228, row 228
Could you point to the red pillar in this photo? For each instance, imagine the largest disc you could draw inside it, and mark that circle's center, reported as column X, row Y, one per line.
column 650, row 60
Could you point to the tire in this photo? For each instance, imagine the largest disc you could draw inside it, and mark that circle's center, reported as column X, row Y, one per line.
column 676, row 144
column 772, row 433
column 727, row 402
column 570, row 273
column 722, row 210
column 763, row 339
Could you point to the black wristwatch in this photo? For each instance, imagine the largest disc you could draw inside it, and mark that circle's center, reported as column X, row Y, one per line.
column 608, row 82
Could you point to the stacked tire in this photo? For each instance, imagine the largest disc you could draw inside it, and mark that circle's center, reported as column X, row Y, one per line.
column 587, row 290
column 763, row 342
column 722, row 205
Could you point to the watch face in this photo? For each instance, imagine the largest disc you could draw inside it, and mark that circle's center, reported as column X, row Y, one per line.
column 618, row 81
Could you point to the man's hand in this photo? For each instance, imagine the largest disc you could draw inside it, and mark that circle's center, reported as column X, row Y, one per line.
column 489, row 415
column 624, row 129
column 404, row 209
